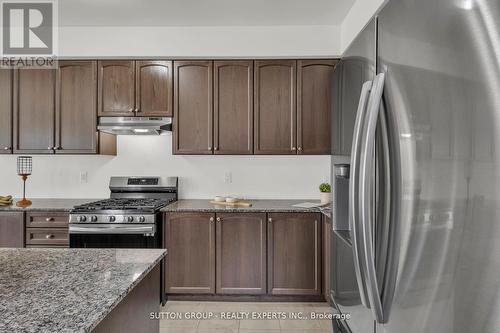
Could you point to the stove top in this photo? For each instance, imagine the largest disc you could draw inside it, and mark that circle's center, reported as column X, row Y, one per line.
column 134, row 200
column 128, row 204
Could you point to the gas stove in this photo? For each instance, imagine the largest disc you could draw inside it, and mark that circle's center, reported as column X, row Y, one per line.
column 133, row 200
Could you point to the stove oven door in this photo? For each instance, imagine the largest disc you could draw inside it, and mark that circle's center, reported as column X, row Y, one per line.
column 114, row 236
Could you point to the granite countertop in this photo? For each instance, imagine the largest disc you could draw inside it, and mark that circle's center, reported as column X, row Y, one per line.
column 67, row 290
column 268, row 206
column 47, row 204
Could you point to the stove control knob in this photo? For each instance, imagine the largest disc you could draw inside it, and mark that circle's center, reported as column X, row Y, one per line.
column 111, row 218
column 81, row 218
column 130, row 218
column 142, row 219
column 93, row 218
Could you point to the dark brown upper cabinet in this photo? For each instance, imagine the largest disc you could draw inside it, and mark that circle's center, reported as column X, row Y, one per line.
column 116, row 96
column 314, row 105
column 233, row 107
column 34, row 110
column 153, row 88
column 5, row 111
column 76, row 107
column 241, row 253
column 55, row 111
column 193, row 108
column 294, row 253
column 135, row 88
column 275, row 117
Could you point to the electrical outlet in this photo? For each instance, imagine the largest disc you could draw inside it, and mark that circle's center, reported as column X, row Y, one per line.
column 83, row 177
column 228, row 177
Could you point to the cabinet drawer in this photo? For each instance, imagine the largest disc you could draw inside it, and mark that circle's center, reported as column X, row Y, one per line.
column 47, row 236
column 47, row 220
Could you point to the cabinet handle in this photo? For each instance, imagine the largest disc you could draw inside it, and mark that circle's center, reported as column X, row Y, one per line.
column 49, row 219
column 218, row 219
column 7, row 148
column 211, row 220
column 299, row 149
column 270, row 220
column 209, row 148
column 216, row 148
column 49, row 236
column 49, row 148
column 136, row 110
column 294, row 149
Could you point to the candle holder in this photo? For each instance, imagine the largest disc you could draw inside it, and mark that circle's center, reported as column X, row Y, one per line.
column 24, row 168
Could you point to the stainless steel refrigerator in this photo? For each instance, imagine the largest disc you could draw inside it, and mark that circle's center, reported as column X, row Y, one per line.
column 421, row 88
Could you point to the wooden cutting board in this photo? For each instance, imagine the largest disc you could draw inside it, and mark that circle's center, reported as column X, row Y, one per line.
column 232, row 204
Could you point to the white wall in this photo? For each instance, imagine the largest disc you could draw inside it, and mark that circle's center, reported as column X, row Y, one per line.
column 192, row 42
column 200, row 176
column 358, row 16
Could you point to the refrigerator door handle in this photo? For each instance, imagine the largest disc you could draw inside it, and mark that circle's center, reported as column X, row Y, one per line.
column 366, row 170
column 354, row 212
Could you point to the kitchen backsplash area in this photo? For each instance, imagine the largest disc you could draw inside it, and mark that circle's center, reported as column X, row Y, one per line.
column 258, row 177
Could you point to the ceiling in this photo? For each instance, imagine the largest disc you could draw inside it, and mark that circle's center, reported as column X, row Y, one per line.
column 202, row 12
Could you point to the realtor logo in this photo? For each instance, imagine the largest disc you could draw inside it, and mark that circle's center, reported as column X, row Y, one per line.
column 28, row 30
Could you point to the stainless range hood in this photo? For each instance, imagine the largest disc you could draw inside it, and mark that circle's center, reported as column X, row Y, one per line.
column 135, row 125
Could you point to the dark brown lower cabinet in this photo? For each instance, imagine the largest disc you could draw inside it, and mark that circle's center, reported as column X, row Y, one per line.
column 294, row 254
column 190, row 242
column 47, row 236
column 11, row 229
column 47, row 229
column 241, row 253
column 244, row 253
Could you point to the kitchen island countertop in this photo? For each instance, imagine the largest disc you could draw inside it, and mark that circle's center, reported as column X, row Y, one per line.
column 67, row 290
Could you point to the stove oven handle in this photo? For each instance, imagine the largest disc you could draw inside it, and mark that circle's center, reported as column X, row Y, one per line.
column 148, row 230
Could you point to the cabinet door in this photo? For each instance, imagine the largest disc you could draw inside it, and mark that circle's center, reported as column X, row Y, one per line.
column 193, row 118
column 327, row 229
column 76, row 107
column 233, row 107
column 190, row 242
column 294, row 256
column 116, row 87
column 275, row 107
column 5, row 111
column 11, row 229
column 153, row 88
column 314, row 106
column 241, row 253
column 34, row 110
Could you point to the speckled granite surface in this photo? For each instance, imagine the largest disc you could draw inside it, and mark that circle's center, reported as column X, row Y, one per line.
column 67, row 290
column 199, row 205
column 48, row 205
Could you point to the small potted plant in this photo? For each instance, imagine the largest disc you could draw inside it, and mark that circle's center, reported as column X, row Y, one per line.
column 325, row 193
